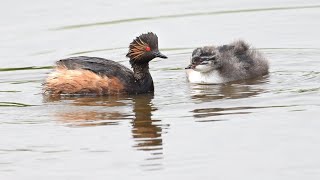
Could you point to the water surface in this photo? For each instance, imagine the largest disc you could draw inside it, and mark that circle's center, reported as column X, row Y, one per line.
column 265, row 128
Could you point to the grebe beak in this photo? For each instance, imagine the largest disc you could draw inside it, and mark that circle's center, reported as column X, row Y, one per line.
column 160, row 55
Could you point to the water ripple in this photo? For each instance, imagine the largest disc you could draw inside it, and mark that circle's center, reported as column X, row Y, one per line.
column 13, row 91
column 26, row 68
column 184, row 15
column 209, row 112
column 14, row 104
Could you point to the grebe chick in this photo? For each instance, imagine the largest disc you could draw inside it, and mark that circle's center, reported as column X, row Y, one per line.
column 98, row 76
column 236, row 61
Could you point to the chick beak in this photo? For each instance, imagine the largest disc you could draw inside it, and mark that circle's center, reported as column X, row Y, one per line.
column 160, row 55
column 189, row 66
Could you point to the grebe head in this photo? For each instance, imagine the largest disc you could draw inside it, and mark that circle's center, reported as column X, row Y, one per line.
column 204, row 59
column 144, row 48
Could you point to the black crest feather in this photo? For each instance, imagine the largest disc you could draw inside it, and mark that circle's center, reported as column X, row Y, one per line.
column 137, row 47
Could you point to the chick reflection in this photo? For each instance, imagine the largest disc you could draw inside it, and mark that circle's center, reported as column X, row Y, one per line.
column 145, row 131
column 235, row 90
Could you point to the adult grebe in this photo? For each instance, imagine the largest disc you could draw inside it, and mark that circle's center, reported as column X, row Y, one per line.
column 98, row 76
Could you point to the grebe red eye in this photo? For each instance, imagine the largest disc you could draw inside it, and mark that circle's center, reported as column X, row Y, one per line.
column 148, row 48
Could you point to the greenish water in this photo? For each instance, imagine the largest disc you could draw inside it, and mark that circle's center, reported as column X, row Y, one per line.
column 266, row 128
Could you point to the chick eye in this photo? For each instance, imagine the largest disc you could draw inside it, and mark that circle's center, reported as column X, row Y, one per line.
column 196, row 59
column 148, row 48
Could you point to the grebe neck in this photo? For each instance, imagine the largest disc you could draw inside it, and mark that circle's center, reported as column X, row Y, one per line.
column 140, row 71
column 142, row 75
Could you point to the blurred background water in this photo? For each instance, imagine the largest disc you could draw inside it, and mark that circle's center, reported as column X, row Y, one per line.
column 259, row 129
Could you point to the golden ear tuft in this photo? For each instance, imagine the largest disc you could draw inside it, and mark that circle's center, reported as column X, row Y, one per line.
column 137, row 48
column 142, row 44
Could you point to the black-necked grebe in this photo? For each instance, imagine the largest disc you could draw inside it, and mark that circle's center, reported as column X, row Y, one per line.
column 236, row 61
column 98, row 76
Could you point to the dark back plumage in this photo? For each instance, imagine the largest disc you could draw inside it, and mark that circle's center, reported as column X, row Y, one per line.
column 100, row 66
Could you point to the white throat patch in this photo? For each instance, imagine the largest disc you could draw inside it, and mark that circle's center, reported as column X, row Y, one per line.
column 212, row 77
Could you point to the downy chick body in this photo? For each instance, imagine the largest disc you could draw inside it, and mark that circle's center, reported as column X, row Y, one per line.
column 232, row 62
